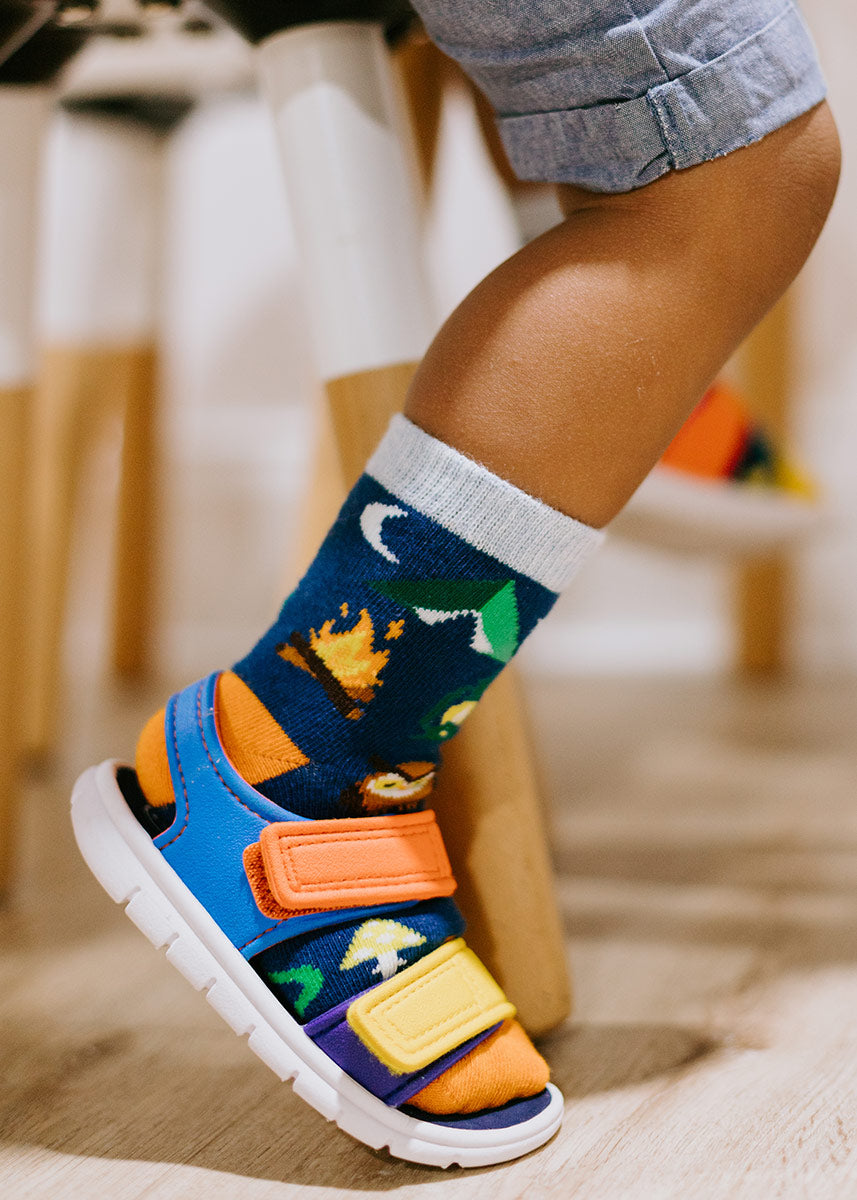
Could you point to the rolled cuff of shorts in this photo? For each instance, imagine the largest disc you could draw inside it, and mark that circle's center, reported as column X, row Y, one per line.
column 758, row 86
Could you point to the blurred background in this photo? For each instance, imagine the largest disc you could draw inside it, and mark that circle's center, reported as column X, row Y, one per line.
column 239, row 395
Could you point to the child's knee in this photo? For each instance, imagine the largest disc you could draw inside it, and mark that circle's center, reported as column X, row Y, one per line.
column 818, row 162
column 783, row 186
column 763, row 205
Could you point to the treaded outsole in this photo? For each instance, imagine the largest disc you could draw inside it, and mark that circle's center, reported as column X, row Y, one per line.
column 134, row 874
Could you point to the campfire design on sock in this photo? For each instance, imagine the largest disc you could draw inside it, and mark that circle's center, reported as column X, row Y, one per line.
column 345, row 663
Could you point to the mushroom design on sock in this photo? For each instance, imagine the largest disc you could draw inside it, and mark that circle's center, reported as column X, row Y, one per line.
column 381, row 939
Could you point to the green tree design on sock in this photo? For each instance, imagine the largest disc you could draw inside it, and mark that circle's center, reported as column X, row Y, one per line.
column 310, row 979
column 493, row 606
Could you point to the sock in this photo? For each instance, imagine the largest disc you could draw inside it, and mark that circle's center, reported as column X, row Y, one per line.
column 429, row 580
column 478, row 1080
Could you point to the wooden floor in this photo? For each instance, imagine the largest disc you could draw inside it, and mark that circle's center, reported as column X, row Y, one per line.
column 706, row 843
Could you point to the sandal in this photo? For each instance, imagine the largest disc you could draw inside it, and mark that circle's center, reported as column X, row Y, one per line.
column 225, row 874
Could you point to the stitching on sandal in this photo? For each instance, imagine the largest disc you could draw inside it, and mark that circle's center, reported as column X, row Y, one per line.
column 181, row 775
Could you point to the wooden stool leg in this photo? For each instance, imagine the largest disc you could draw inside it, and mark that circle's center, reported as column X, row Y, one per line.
column 763, row 586
column 133, row 595
column 24, row 111
column 63, row 397
column 78, row 389
column 490, row 810
column 353, row 206
column 100, row 359
column 14, row 442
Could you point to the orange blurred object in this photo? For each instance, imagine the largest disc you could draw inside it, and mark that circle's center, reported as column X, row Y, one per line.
column 713, row 438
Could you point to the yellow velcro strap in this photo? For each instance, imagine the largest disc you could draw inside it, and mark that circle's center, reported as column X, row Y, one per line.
column 429, row 1008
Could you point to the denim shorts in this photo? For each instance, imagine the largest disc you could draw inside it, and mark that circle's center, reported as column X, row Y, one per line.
column 610, row 94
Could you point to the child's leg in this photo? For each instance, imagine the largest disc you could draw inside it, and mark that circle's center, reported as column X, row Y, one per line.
column 570, row 368
column 566, row 373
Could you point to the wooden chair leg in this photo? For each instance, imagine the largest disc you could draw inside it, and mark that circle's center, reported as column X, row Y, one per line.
column 24, row 112
column 133, row 594
column 763, row 587
column 64, row 410
column 491, row 812
column 100, row 360
column 79, row 388
column 14, row 443
column 487, row 797
column 421, row 69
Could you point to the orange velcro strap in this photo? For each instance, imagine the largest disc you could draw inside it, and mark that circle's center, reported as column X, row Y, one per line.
column 254, row 869
column 355, row 861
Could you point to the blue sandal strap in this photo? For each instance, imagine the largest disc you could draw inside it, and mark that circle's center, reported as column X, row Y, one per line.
column 218, row 814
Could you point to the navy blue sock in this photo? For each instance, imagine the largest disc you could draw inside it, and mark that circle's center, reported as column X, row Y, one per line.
column 399, row 626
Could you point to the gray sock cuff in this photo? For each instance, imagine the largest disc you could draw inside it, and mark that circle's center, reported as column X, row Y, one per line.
column 476, row 505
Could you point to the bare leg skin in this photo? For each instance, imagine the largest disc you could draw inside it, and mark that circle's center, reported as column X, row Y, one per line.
column 570, row 368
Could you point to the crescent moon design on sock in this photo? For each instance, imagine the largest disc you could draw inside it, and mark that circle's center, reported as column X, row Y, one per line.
column 371, row 520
